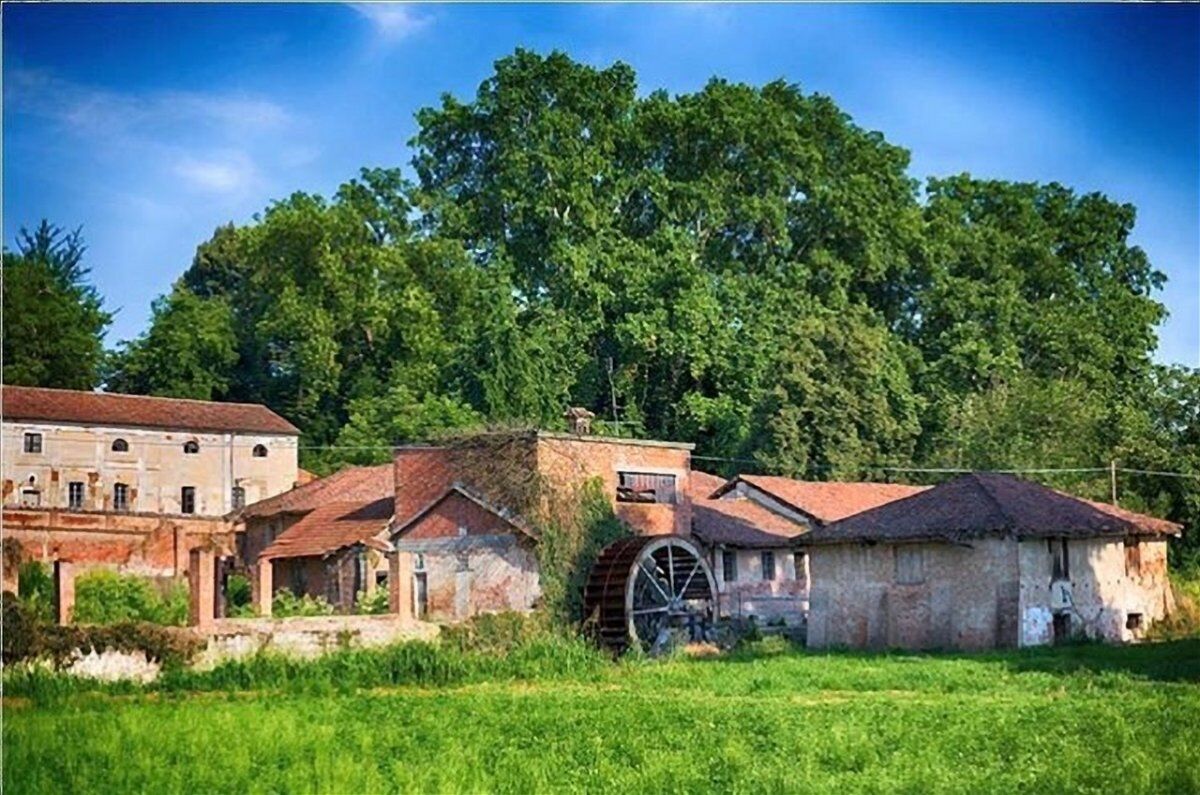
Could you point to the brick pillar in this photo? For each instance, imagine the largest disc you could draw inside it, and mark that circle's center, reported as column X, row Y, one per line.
column 400, row 584
column 262, row 587
column 202, row 607
column 64, row 591
column 11, row 566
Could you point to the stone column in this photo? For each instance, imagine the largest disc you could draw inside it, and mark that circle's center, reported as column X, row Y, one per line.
column 400, row 584
column 262, row 587
column 202, row 608
column 64, row 591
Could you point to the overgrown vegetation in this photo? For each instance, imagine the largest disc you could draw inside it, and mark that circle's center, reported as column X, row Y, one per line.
column 551, row 714
column 286, row 604
column 372, row 604
column 36, row 589
column 238, row 597
column 105, row 597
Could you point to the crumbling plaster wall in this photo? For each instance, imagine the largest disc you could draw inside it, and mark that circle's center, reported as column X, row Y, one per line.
column 966, row 599
column 785, row 597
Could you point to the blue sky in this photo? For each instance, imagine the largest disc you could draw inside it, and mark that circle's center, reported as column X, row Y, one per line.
column 149, row 125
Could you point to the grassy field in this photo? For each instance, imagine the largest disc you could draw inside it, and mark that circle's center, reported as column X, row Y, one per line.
column 1076, row 719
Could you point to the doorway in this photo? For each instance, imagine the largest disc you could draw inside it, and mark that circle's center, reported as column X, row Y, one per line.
column 421, row 588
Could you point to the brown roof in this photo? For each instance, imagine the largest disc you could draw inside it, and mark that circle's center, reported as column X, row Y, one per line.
column 1147, row 525
column 331, row 527
column 735, row 521
column 973, row 505
column 355, row 484
column 107, row 408
column 702, row 485
column 827, row 501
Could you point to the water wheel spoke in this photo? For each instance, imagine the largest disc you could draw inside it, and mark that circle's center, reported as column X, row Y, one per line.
column 683, row 590
column 654, row 580
column 671, row 569
column 646, row 610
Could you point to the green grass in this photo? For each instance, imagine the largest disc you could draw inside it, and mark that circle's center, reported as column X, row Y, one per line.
column 552, row 715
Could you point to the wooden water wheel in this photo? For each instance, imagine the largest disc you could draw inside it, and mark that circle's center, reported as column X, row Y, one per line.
column 642, row 589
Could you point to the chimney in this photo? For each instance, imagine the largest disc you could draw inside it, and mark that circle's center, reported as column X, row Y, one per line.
column 579, row 420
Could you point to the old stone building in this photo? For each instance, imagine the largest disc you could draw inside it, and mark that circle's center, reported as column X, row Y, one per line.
column 134, row 481
column 748, row 524
column 982, row 561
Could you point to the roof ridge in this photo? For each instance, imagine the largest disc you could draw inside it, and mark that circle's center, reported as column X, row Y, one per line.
column 102, row 393
column 987, row 491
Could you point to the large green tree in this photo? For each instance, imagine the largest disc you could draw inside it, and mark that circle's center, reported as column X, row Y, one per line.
column 54, row 320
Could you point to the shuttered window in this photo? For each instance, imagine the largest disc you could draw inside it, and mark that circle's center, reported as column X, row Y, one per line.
column 645, row 487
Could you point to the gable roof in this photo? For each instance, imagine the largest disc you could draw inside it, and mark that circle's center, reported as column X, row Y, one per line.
column 354, row 484
column 976, row 504
column 331, row 527
column 825, row 501
column 735, row 522
column 504, row 514
column 108, row 408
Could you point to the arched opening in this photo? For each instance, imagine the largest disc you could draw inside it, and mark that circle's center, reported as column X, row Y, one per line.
column 120, row 446
column 191, row 447
column 260, row 451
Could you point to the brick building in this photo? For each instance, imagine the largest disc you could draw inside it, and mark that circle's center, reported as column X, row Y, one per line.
column 983, row 561
column 133, row 482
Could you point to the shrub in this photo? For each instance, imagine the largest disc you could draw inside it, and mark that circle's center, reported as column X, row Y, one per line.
column 36, row 589
column 1185, row 621
column 238, row 597
column 287, row 605
column 372, row 604
column 105, row 597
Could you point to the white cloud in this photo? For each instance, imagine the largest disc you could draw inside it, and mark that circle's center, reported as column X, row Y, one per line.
column 223, row 173
column 392, row 21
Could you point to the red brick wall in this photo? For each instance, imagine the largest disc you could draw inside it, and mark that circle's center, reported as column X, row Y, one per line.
column 454, row 512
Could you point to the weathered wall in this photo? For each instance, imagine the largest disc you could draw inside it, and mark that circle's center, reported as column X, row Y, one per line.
column 155, row 467
column 573, row 459
column 967, row 598
column 140, row 544
column 785, row 597
column 1101, row 594
column 258, row 532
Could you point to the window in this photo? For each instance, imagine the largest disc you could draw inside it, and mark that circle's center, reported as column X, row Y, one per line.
column 645, row 487
column 1059, row 559
column 768, row 565
column 31, row 498
column 120, row 497
column 729, row 565
column 33, row 443
column 260, row 451
column 238, row 498
column 75, row 495
column 381, row 579
column 1133, row 559
column 1133, row 621
column 120, row 446
column 187, row 499
column 910, row 565
column 191, row 447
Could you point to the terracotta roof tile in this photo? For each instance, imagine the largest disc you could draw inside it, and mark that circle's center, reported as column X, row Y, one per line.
column 973, row 505
column 331, row 527
column 355, row 484
column 829, row 501
column 106, row 408
column 735, row 521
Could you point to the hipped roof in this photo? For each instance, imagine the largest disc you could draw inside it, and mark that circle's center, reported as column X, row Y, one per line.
column 978, row 504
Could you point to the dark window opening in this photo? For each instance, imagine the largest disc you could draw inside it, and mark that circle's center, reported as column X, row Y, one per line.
column 645, row 487
column 187, row 499
column 75, row 495
column 120, row 497
column 1133, row 621
column 1062, row 627
column 421, row 586
column 238, row 498
column 381, row 579
column 768, row 565
column 33, row 443
column 260, row 451
column 120, row 446
column 1133, row 559
column 1060, row 559
column 191, row 447
column 729, row 565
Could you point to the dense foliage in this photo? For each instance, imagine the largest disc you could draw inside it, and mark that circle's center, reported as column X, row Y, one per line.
column 105, row 597
column 54, row 321
column 743, row 267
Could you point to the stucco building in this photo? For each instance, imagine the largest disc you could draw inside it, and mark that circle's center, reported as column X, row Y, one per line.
column 983, row 561
column 134, row 481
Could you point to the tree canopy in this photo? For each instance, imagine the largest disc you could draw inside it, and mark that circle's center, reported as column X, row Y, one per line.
column 743, row 267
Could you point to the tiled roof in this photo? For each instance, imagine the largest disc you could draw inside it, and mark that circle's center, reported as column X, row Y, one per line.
column 828, row 502
column 735, row 521
column 355, row 484
column 106, row 408
column 974, row 505
column 331, row 527
column 1148, row 525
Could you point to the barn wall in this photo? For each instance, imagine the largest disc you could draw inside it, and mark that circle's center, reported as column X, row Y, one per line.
column 967, row 598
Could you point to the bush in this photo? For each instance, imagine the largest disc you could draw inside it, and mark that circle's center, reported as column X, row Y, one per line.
column 1185, row 621
column 27, row 638
column 287, row 605
column 104, row 597
column 36, row 589
column 238, row 597
column 372, row 604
